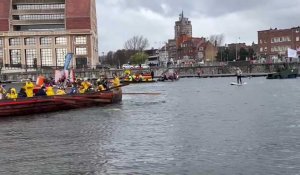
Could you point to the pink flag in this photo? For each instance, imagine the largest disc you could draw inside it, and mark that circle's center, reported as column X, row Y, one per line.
column 72, row 76
column 66, row 74
column 58, row 75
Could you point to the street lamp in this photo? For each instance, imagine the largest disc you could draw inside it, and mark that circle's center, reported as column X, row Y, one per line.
column 236, row 52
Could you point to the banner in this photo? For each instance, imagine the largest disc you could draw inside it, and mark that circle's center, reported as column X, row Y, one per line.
column 292, row 53
column 68, row 60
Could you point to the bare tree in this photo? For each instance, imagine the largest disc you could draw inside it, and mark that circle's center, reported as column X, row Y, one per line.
column 136, row 43
column 217, row 40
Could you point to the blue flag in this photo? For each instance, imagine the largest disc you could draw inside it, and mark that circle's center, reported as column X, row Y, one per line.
column 68, row 60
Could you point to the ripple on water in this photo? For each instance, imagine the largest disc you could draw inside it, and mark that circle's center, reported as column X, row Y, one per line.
column 195, row 126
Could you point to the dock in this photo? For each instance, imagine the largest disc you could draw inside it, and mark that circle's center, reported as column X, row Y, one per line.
column 223, row 75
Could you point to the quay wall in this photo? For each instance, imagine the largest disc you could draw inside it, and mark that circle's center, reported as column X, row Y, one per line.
column 17, row 75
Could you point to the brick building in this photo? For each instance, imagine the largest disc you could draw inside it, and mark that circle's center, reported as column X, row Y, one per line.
column 41, row 32
column 274, row 43
column 186, row 48
column 183, row 27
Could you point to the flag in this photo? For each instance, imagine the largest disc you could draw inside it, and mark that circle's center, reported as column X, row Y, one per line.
column 72, row 76
column 68, row 60
column 58, row 75
column 66, row 73
column 292, row 53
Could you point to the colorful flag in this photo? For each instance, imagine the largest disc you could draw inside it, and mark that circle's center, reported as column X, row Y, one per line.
column 68, row 60
column 58, row 75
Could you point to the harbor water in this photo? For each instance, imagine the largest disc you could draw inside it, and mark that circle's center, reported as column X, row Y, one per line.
column 194, row 126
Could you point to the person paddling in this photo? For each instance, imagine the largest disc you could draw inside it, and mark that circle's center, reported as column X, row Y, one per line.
column 239, row 76
column 2, row 92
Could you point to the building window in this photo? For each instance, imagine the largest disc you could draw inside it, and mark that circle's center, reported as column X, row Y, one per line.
column 30, row 56
column 30, row 41
column 81, row 51
column 61, row 41
column 80, row 40
column 40, row 6
column 297, row 38
column 46, row 57
column 39, row 17
column 60, row 56
column 1, row 42
column 14, row 41
column 1, row 54
column 46, row 41
column 266, row 48
column 15, row 57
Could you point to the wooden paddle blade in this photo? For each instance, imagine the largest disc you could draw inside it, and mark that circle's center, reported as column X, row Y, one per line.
column 141, row 93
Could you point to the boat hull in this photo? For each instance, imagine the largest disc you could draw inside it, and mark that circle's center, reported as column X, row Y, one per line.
column 36, row 105
column 284, row 74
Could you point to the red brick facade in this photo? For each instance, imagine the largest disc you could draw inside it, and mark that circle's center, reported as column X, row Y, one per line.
column 274, row 42
column 78, row 19
column 4, row 15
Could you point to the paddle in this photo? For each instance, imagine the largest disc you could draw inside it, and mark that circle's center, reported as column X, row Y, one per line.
column 142, row 93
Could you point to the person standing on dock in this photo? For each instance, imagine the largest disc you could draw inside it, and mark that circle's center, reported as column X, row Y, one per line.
column 152, row 74
column 239, row 75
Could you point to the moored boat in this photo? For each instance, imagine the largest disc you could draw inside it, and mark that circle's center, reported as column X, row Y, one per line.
column 35, row 105
column 284, row 74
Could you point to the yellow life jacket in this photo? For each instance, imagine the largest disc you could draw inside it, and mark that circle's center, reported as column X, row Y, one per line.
column 29, row 89
column 50, row 91
column 81, row 91
column 12, row 94
column 86, row 85
column 101, row 88
column 116, row 82
column 60, row 92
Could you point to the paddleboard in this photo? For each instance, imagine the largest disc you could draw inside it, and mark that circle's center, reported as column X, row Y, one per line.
column 236, row 84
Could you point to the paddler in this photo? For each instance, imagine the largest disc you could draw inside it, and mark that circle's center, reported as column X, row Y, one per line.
column 60, row 91
column 81, row 89
column 2, row 92
column 86, row 84
column 116, row 81
column 50, row 91
column 29, row 86
column 239, row 75
column 12, row 94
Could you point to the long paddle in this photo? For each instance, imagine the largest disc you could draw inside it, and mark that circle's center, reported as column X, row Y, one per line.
column 142, row 93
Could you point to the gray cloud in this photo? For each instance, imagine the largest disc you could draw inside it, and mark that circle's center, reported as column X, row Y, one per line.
column 121, row 19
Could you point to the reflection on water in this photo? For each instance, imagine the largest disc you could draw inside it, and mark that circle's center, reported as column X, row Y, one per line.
column 195, row 126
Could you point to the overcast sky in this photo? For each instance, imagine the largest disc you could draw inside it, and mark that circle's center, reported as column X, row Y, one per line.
column 119, row 20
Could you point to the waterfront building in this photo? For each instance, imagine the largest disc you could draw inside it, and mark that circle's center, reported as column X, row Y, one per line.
column 186, row 48
column 274, row 43
column 39, row 33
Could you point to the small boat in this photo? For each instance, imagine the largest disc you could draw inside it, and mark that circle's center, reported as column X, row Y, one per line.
column 35, row 105
column 284, row 74
column 174, row 77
